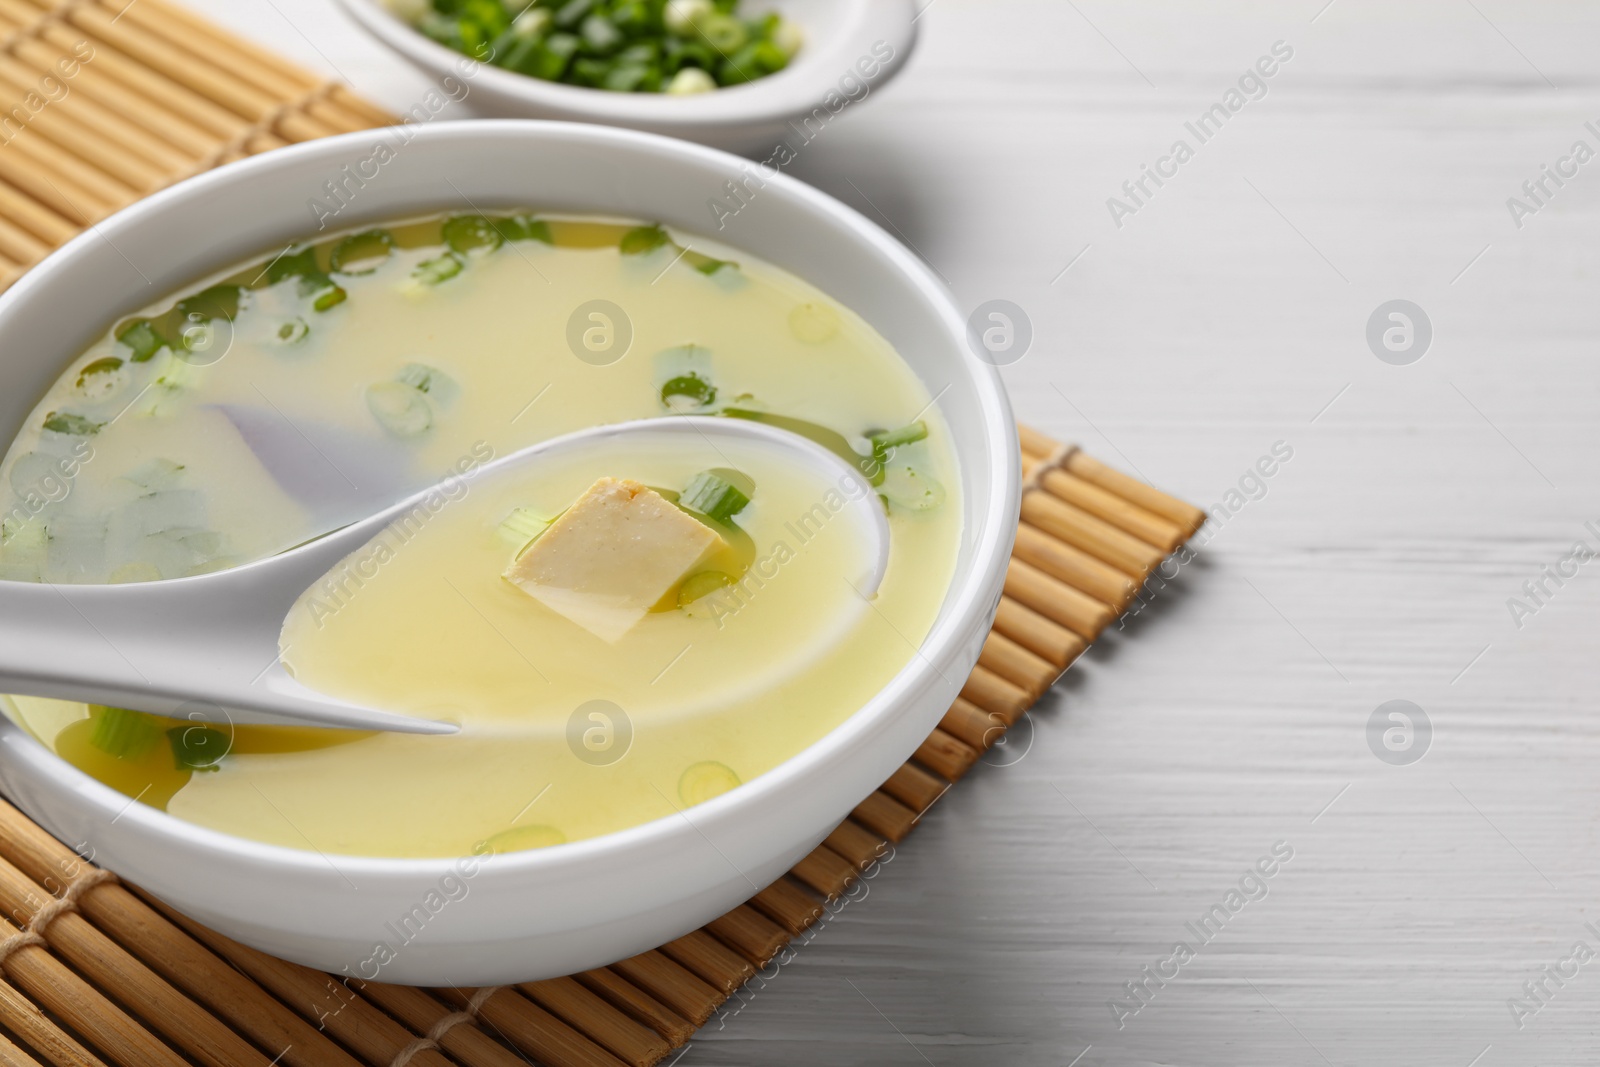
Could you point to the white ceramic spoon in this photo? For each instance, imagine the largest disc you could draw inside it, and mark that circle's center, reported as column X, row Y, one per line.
column 206, row 648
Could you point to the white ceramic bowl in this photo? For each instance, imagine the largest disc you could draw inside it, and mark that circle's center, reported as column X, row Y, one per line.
column 553, row 911
column 853, row 48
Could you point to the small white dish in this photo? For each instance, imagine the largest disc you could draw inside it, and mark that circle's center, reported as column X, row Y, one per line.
column 852, row 49
column 552, row 911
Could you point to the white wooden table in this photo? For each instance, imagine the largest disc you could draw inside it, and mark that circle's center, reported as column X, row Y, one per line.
column 1227, row 313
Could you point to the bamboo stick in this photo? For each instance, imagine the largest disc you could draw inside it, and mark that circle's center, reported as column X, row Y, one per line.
column 51, row 985
column 1039, row 635
column 78, row 206
column 855, row 843
column 825, row 871
column 421, row 1011
column 11, row 1055
column 750, row 933
column 1123, row 514
column 18, row 245
column 199, row 76
column 787, row 904
column 883, row 814
column 168, row 129
column 104, row 123
column 993, row 693
column 1187, row 517
column 361, row 107
column 672, row 984
column 225, row 51
column 1095, row 536
column 152, row 83
column 1054, row 599
column 1074, row 566
column 105, row 963
column 216, row 87
column 1035, row 443
column 535, row 1031
column 643, row 1007
column 65, row 129
column 1015, row 664
column 267, row 69
column 182, row 24
column 72, row 170
column 336, row 1009
column 915, row 788
column 34, row 217
column 277, row 83
column 946, row 754
column 590, row 1014
column 23, row 1018
column 168, row 950
column 709, row 958
column 969, row 726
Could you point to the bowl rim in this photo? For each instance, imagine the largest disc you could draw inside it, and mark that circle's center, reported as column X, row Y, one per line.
column 965, row 597
column 803, row 84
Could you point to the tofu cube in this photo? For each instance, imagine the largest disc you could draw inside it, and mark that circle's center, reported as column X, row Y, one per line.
column 612, row 556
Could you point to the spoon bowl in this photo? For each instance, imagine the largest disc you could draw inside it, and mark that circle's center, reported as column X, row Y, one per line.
column 206, row 648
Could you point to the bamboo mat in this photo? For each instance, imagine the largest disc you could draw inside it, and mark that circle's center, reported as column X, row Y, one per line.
column 107, row 101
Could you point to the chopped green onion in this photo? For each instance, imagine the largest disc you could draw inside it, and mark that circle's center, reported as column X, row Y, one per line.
column 884, row 441
column 322, row 290
column 198, row 748
column 674, row 46
column 691, row 80
column 629, row 77
column 99, row 366
column 531, row 22
column 217, row 302
column 551, row 59
column 718, row 494
column 600, row 35
column 642, row 239
column 399, row 408
column 362, row 253
column 293, row 331
column 471, row 235
column 722, row 32
column 687, row 387
column 101, row 378
column 73, row 425
column 176, row 373
column 122, row 733
column 680, row 16
column 525, row 228
column 431, row 380
column 438, row 269
column 572, row 12
column 788, row 36
column 142, row 340
column 906, row 487
column 708, row 265
column 293, row 264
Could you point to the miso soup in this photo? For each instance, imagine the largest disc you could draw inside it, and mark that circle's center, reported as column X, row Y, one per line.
column 260, row 408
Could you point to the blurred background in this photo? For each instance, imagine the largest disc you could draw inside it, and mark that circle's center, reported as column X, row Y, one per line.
column 1433, row 862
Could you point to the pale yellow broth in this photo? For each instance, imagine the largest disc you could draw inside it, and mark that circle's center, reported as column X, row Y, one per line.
column 718, row 703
